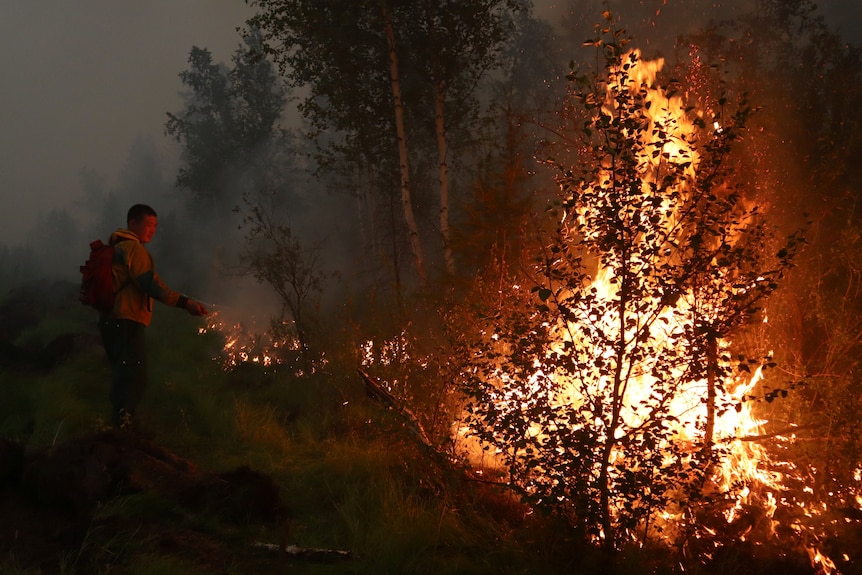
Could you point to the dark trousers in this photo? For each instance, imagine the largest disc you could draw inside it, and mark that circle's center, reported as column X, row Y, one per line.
column 127, row 353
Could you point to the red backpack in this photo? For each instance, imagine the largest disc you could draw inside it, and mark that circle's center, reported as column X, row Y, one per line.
column 97, row 284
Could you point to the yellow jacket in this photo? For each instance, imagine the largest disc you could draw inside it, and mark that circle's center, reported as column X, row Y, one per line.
column 136, row 282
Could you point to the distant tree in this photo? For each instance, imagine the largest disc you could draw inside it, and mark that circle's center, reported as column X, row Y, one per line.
column 340, row 53
column 19, row 264
column 462, row 41
column 275, row 252
column 142, row 176
column 228, row 113
column 56, row 240
column 493, row 216
column 140, row 180
column 104, row 208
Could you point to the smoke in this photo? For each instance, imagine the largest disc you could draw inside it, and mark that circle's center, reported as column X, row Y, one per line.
column 656, row 24
column 83, row 80
column 84, row 114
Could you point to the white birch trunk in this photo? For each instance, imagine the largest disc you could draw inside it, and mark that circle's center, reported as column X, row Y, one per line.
column 443, row 167
column 406, row 201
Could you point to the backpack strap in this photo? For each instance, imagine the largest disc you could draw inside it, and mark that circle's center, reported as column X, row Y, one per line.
column 128, row 281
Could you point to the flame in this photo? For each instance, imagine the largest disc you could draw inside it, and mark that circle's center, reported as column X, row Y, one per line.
column 749, row 480
column 247, row 344
column 746, row 476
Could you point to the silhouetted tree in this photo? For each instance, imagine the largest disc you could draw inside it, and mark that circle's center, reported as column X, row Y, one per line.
column 228, row 113
column 805, row 153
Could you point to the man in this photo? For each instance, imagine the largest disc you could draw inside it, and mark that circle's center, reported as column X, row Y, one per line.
column 136, row 285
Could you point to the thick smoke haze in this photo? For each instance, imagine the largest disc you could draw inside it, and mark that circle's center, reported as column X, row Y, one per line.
column 85, row 80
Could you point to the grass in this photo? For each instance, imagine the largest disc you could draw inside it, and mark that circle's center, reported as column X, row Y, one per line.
column 347, row 472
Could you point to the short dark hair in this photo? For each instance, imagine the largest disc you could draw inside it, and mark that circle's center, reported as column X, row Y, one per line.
column 138, row 211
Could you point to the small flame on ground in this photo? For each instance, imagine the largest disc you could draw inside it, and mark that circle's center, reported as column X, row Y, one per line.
column 245, row 344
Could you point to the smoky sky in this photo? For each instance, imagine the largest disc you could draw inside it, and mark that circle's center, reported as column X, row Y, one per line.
column 83, row 79
column 656, row 23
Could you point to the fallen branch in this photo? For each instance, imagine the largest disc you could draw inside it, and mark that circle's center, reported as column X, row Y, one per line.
column 375, row 390
column 305, row 552
column 378, row 392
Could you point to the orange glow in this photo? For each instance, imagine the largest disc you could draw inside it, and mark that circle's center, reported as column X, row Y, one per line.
column 245, row 343
column 745, row 476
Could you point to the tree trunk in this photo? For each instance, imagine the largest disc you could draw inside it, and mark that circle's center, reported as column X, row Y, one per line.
column 711, row 368
column 618, row 393
column 406, row 200
column 443, row 166
column 604, row 480
column 431, row 8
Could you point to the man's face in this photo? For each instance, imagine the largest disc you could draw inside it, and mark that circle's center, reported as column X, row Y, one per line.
column 144, row 228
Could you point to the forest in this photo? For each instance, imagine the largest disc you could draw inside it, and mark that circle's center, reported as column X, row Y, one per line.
column 484, row 297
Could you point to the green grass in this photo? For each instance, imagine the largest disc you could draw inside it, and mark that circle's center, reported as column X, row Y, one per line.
column 348, row 473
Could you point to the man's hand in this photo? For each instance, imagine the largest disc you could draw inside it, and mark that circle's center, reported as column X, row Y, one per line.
column 196, row 308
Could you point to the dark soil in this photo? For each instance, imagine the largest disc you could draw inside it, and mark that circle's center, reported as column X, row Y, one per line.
column 55, row 506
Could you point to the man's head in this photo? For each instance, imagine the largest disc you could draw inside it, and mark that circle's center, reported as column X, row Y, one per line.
column 142, row 220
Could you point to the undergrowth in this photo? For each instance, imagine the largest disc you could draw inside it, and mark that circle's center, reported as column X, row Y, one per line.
column 349, row 474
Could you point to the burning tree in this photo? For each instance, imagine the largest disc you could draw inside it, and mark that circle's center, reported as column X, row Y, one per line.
column 605, row 382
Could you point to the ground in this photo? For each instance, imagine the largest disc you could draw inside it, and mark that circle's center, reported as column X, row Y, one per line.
column 64, row 505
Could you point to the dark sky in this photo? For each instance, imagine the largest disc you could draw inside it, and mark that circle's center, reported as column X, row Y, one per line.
column 82, row 79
